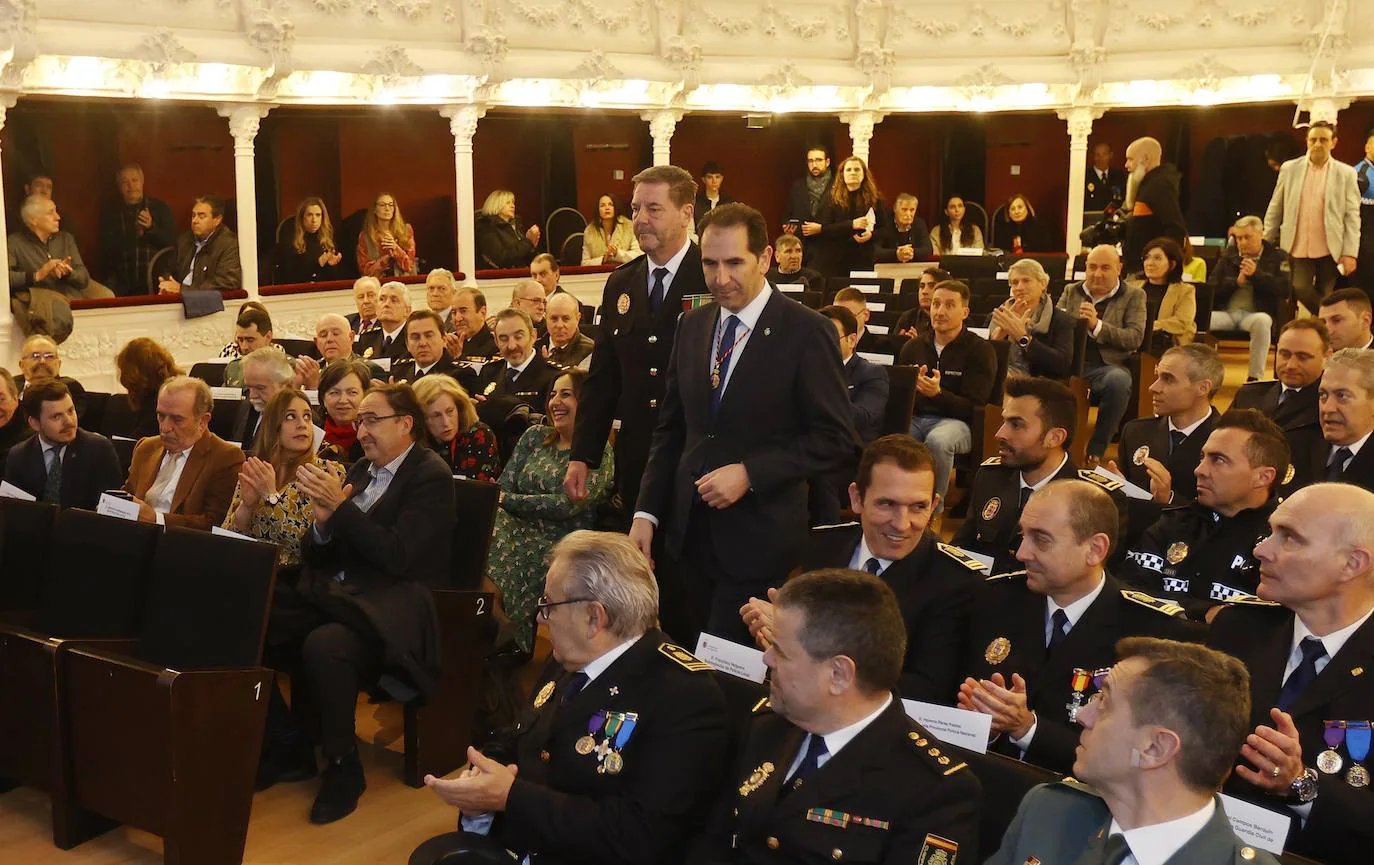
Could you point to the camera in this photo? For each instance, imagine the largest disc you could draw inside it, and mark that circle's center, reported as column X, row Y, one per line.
column 1109, row 230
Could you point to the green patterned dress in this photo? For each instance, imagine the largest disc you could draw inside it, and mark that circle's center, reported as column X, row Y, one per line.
column 534, row 514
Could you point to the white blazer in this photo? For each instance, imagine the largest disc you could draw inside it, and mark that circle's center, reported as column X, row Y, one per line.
column 1342, row 207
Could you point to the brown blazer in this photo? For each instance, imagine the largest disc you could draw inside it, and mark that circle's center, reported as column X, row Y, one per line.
column 207, row 483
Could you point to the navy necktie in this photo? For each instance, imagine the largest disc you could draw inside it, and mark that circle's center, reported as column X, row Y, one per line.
column 1304, row 674
column 1335, row 469
column 52, row 489
column 720, row 366
column 658, row 291
column 1176, row 437
column 873, row 566
column 576, row 682
column 1025, row 497
column 1284, row 393
column 1059, row 628
column 810, row 762
column 1115, row 851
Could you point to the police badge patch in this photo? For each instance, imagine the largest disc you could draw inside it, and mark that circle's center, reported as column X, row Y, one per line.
column 938, row 851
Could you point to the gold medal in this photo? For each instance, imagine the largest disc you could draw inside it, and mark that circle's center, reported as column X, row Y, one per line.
column 622, row 303
column 715, row 379
column 613, row 763
column 585, row 745
column 1288, row 475
column 756, row 779
column 1141, row 454
column 1177, row 552
column 1357, row 776
column 990, row 509
column 544, row 694
column 1329, row 762
column 997, row 651
column 488, row 389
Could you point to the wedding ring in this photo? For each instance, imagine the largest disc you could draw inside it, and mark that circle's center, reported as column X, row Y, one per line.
column 1274, row 771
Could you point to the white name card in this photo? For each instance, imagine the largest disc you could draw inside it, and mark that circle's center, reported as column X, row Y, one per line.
column 879, row 359
column 792, row 287
column 383, row 362
column 10, row 491
column 226, row 392
column 861, row 274
column 869, row 289
column 980, row 331
column 1197, row 240
column 878, row 307
column 114, row 506
column 319, row 437
column 1255, row 824
column 313, row 396
column 878, row 328
column 1003, row 275
column 225, row 533
column 1080, row 274
column 1131, row 490
column 956, row 726
column 742, row 661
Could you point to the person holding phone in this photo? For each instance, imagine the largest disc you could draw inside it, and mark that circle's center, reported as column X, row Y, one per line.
column 132, row 231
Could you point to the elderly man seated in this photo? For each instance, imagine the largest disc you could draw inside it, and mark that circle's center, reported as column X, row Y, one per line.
column 43, row 257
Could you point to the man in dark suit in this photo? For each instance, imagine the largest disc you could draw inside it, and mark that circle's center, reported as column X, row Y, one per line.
column 1291, row 400
column 388, row 338
column 903, row 238
column 867, row 382
column 522, row 375
column 1345, row 398
column 893, row 496
column 61, row 463
column 833, row 769
column 472, row 338
column 1041, row 335
column 1159, row 453
column 1032, row 628
column 379, row 540
column 622, row 751
column 184, row 476
column 869, row 341
column 1102, row 184
column 755, row 405
column 266, row 371
column 1347, row 314
column 207, row 256
column 567, row 346
column 1155, row 747
column 712, row 177
column 1038, row 420
column 1308, row 647
column 14, row 428
column 425, row 340
column 365, row 299
column 640, row 308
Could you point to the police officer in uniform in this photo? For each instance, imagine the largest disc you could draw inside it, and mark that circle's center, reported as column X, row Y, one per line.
column 1201, row 554
column 834, row 770
column 639, row 311
column 1154, row 761
column 1032, row 630
column 621, row 753
column 1038, row 418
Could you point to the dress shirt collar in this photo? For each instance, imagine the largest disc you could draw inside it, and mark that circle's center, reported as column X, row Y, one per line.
column 1153, row 845
column 1021, row 477
column 673, row 264
column 1354, row 448
column 1106, row 297
column 597, row 667
column 1332, row 642
column 424, row 370
column 843, row 736
column 391, row 467
column 749, row 316
column 391, row 334
column 1188, row 430
column 200, row 243
column 522, row 367
column 1075, row 610
column 862, row 555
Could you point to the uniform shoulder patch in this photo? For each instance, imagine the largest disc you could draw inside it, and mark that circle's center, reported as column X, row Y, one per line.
column 928, row 748
column 1168, row 608
column 1006, row 577
column 992, row 461
column 1251, row 600
column 763, row 705
column 1072, row 783
column 682, row 657
column 1103, row 481
column 830, row 527
column 961, row 556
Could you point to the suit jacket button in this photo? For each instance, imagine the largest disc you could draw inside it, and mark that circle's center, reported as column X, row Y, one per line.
column 653, row 338
column 653, row 403
column 653, row 371
column 544, row 755
column 837, row 854
column 773, row 843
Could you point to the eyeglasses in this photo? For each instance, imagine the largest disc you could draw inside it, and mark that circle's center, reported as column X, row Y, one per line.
column 382, row 204
column 41, row 355
column 368, row 420
column 542, row 607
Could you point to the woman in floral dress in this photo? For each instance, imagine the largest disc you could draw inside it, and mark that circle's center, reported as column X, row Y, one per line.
column 465, row 443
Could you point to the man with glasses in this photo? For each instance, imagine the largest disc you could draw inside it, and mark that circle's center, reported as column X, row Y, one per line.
column 185, row 475
column 39, row 359
column 13, row 427
column 622, row 749
column 529, row 296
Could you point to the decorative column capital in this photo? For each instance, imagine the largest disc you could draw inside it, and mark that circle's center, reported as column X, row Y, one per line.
column 1324, row 107
column 861, row 123
column 244, row 120
column 7, row 101
column 1080, row 119
column 462, row 121
column 662, row 122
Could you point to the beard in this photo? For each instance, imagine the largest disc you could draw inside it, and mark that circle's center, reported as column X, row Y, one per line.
column 1133, row 186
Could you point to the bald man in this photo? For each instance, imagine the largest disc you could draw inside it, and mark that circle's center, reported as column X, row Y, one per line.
column 1151, row 200
column 334, row 340
column 566, row 346
column 1309, row 646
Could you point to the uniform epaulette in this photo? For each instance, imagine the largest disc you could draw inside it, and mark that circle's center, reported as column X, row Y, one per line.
column 1103, row 481
column 961, row 556
column 763, row 705
column 1168, row 608
column 1074, row 784
column 830, row 526
column 1251, row 600
column 930, row 751
column 1005, row 576
column 682, row 657
column 992, row 461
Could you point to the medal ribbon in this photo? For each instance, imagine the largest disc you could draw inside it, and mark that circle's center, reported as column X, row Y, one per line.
column 1080, row 680
column 1357, row 738
column 625, row 729
column 594, row 725
column 720, row 358
column 1333, row 734
column 613, row 721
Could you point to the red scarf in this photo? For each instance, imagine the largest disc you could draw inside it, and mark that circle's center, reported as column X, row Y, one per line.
column 341, row 435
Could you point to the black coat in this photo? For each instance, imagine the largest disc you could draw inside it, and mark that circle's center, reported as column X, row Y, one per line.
column 563, row 809
column 813, row 279
column 935, row 587
column 1311, row 453
column 369, row 345
column 629, row 367
column 531, row 387
column 89, row 468
column 868, row 387
column 1034, row 236
column 1050, row 354
column 893, row 772
column 1272, row 282
column 703, row 207
column 968, row 372
column 14, row 432
column 481, row 344
column 835, row 252
column 1340, row 826
column 785, row 415
column 296, row 267
column 1007, row 610
column 500, row 244
column 1158, row 192
column 1152, row 433
column 888, row 237
column 404, row 370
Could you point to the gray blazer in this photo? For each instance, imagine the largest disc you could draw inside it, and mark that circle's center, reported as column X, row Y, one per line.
column 1065, row 823
column 1123, row 323
column 1342, row 207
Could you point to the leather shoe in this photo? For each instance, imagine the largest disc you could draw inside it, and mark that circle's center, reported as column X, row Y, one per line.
column 285, row 762
column 340, row 787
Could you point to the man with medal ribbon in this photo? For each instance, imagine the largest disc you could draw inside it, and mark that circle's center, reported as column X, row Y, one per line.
column 622, row 748
column 1309, row 646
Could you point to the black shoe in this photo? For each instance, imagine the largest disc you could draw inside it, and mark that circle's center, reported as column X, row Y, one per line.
column 286, row 762
column 340, row 787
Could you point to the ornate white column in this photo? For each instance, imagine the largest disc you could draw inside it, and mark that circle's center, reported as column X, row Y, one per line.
column 243, row 125
column 462, row 122
column 9, row 340
column 1324, row 107
column 861, row 125
column 1080, row 119
column 661, row 125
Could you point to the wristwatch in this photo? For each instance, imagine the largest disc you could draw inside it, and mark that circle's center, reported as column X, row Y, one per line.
column 1024, row 342
column 1304, row 788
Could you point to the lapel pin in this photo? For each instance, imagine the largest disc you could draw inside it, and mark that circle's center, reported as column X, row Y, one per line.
column 1357, row 671
column 615, row 690
column 768, row 331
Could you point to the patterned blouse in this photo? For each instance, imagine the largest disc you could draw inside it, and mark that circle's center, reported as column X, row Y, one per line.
column 286, row 522
column 473, row 454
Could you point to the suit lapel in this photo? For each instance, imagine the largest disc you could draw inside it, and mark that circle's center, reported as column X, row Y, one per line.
column 195, row 462
column 1266, row 671
column 750, row 358
column 844, row 772
column 1339, row 674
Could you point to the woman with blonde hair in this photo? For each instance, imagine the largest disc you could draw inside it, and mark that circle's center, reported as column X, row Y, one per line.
column 500, row 242
column 466, row 443
column 308, row 253
column 386, row 245
column 848, row 218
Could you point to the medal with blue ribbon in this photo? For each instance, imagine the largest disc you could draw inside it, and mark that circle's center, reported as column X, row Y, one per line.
column 1357, row 736
column 616, row 739
column 587, row 743
column 1333, row 734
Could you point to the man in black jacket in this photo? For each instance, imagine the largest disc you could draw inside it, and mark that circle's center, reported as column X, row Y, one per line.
column 425, row 340
column 867, row 382
column 958, row 370
column 471, row 337
column 787, row 266
column 624, row 745
column 1040, row 334
column 710, row 196
column 207, row 256
column 905, row 238
column 1345, row 398
column 1291, row 400
column 522, row 375
column 131, row 232
column 808, row 194
column 640, row 308
column 1102, row 184
column 1152, row 199
column 1249, row 282
column 388, row 339
column 61, row 463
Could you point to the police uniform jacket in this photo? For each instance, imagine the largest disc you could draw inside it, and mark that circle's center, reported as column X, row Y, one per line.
column 1198, row 558
column 890, row 795
column 1097, row 193
column 968, row 373
column 405, row 370
column 1067, row 822
column 565, row 811
column 369, row 345
column 629, row 367
column 531, row 386
column 1340, row 826
column 935, row 586
column 993, row 525
column 1271, row 281
column 1007, row 635
column 1152, row 433
column 481, row 345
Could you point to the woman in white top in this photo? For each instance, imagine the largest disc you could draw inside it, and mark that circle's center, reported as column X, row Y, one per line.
column 610, row 239
column 952, row 234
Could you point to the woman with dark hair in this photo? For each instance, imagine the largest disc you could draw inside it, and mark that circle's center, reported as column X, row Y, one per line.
column 848, row 218
column 343, row 384
column 1016, row 229
column 610, row 238
column 142, row 365
column 386, row 245
column 535, row 512
column 917, row 319
column 308, row 253
column 1174, row 301
column 953, row 233
column 500, row 242
column 467, row 444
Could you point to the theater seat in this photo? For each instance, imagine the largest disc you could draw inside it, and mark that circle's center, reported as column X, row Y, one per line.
column 25, row 542
column 1005, row 783
column 210, row 373
column 901, row 399
column 476, row 504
